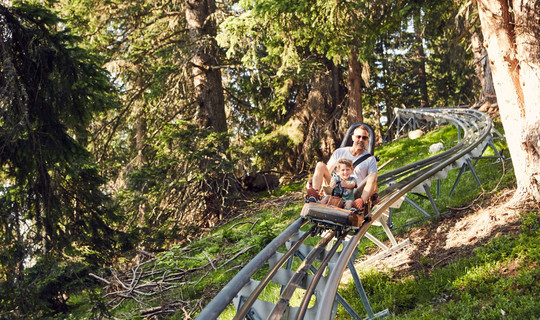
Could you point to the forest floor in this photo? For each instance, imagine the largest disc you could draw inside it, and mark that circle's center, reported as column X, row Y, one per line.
column 454, row 236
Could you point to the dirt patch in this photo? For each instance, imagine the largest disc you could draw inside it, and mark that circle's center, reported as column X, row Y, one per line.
column 450, row 238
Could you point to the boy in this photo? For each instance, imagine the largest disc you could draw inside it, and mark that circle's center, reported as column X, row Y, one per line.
column 342, row 185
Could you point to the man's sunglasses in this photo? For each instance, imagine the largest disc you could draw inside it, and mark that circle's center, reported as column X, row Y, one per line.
column 362, row 137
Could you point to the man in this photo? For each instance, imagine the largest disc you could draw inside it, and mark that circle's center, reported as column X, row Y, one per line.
column 364, row 172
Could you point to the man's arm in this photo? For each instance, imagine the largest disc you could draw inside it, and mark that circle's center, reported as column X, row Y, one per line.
column 367, row 187
column 331, row 168
column 349, row 184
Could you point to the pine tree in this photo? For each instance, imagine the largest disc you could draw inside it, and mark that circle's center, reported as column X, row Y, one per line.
column 51, row 204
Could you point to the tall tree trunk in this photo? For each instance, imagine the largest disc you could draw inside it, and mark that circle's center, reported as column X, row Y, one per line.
column 206, row 75
column 510, row 36
column 315, row 118
column 387, row 99
column 140, row 121
column 482, row 68
column 354, row 114
column 208, row 91
column 422, row 77
column 336, row 86
column 421, row 60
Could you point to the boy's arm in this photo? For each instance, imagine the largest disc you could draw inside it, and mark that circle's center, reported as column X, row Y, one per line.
column 333, row 183
column 350, row 184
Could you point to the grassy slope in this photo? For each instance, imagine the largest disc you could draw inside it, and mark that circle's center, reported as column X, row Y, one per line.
column 500, row 278
column 465, row 289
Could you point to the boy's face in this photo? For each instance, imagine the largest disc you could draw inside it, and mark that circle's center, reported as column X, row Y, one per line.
column 344, row 171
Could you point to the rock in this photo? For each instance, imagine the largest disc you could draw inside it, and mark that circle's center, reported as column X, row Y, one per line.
column 415, row 134
column 436, row 147
column 260, row 181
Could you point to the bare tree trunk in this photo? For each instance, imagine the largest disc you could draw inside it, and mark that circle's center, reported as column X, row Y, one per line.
column 421, row 61
column 422, row 77
column 206, row 75
column 315, row 116
column 389, row 112
column 336, row 87
column 512, row 43
column 140, row 121
column 208, row 87
column 355, row 90
column 317, row 121
column 482, row 68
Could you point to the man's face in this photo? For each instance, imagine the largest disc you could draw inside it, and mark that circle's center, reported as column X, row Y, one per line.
column 360, row 139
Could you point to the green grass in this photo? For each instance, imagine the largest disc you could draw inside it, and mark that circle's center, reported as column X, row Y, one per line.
column 462, row 290
column 405, row 151
column 491, row 173
column 471, row 288
column 503, row 275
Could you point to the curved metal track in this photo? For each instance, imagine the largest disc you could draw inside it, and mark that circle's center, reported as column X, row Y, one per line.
column 243, row 291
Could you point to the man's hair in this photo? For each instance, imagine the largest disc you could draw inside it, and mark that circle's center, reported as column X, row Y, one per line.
column 345, row 161
column 362, row 127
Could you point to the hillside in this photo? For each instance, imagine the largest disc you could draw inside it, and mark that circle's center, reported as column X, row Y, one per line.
column 454, row 236
column 476, row 234
column 454, row 249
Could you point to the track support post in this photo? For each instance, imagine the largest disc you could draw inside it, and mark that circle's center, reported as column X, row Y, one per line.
column 466, row 164
column 362, row 292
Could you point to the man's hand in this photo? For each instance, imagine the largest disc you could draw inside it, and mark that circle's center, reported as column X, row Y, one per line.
column 348, row 184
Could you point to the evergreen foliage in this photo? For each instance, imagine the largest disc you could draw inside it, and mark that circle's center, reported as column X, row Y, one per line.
column 450, row 77
column 186, row 187
column 51, row 198
column 170, row 175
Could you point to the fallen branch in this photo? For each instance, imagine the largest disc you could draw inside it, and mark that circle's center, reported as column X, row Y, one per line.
column 169, row 308
column 210, row 260
column 239, row 223
column 253, row 225
column 387, row 162
column 99, row 278
column 236, row 255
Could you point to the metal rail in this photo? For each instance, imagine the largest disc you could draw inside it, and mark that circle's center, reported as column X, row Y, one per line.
column 476, row 127
column 470, row 141
column 247, row 305
column 302, row 271
column 309, row 292
column 227, row 294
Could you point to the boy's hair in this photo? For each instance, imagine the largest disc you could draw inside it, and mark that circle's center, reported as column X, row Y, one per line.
column 345, row 161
